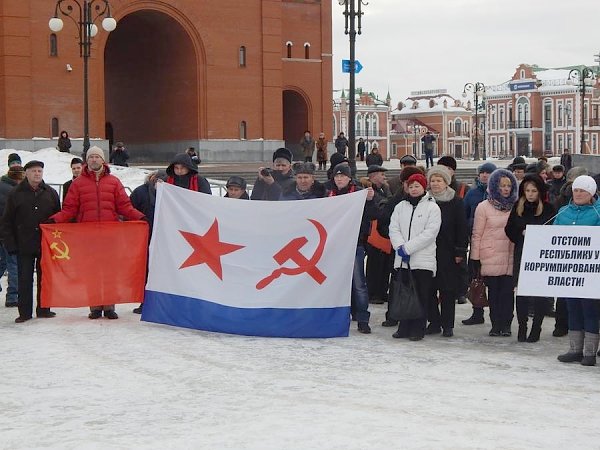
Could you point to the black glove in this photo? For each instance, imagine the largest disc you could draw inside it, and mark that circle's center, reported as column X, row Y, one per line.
column 474, row 268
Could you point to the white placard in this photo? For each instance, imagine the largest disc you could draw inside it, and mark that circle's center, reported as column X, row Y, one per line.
column 560, row 261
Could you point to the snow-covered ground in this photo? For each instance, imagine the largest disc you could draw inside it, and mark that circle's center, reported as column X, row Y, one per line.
column 70, row 383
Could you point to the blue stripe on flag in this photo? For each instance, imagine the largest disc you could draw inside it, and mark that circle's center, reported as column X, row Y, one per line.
column 199, row 314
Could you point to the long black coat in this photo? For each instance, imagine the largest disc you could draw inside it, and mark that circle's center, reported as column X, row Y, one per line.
column 516, row 225
column 451, row 242
column 25, row 210
column 143, row 198
column 6, row 186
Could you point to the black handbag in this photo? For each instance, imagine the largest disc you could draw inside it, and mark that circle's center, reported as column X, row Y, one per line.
column 404, row 301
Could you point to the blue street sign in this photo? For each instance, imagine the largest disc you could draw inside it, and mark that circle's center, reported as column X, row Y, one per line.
column 522, row 86
column 346, row 66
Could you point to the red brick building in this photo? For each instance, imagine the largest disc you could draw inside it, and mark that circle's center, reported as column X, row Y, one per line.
column 449, row 120
column 539, row 111
column 372, row 120
column 235, row 79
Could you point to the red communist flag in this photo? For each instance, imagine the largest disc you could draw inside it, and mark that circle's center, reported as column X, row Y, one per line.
column 93, row 263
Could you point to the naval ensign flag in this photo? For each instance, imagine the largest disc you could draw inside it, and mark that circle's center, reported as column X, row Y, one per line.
column 252, row 267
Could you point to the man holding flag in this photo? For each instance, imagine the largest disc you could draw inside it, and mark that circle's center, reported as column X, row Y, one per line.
column 97, row 196
column 28, row 204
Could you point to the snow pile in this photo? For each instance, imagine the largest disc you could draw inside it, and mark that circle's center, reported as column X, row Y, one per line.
column 57, row 167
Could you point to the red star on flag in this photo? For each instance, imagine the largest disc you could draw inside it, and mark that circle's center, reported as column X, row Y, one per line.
column 208, row 249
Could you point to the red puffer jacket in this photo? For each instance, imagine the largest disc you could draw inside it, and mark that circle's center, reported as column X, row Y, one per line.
column 89, row 200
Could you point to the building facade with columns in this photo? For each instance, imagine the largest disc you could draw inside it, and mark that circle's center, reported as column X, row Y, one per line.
column 234, row 79
column 541, row 112
column 372, row 120
column 450, row 120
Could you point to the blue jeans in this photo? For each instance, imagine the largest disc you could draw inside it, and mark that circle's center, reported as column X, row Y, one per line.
column 360, row 294
column 583, row 314
column 9, row 263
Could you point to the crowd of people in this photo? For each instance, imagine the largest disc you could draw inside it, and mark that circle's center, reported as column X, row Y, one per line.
column 424, row 235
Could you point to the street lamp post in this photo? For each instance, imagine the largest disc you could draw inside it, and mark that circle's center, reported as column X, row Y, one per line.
column 353, row 14
column 89, row 12
column 416, row 145
column 478, row 90
column 582, row 77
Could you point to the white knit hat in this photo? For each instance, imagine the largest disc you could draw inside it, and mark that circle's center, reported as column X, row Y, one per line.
column 95, row 151
column 586, row 183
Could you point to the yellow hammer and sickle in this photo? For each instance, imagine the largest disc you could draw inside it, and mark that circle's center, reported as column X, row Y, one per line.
column 60, row 253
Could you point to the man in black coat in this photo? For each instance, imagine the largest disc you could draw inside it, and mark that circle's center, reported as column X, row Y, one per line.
column 76, row 168
column 341, row 144
column 379, row 263
column 143, row 198
column 119, row 155
column 8, row 263
column 271, row 182
column 32, row 202
column 305, row 187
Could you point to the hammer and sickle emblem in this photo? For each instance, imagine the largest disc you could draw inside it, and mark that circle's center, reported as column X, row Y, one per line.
column 291, row 252
column 58, row 252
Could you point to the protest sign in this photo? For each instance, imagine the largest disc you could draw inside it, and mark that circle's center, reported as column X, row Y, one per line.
column 560, row 261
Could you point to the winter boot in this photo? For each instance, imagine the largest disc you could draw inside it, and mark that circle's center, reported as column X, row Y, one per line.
column 534, row 335
column 575, row 353
column 364, row 328
column 476, row 318
column 522, row 333
column 389, row 323
column 590, row 347
column 401, row 333
column 560, row 332
column 536, row 330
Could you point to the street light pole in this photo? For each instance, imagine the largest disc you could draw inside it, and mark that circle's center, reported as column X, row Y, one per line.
column 89, row 12
column 582, row 76
column 352, row 12
column 478, row 89
column 415, row 140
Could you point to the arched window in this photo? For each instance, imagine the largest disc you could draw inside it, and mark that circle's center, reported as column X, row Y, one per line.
column 374, row 126
column 54, row 126
column 306, row 50
column 243, row 130
column 242, row 56
column 360, row 124
column 523, row 112
column 53, row 45
column 458, row 127
column 335, row 132
column 289, row 45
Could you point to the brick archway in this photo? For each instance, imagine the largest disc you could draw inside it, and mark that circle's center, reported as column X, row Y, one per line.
column 296, row 120
column 153, row 79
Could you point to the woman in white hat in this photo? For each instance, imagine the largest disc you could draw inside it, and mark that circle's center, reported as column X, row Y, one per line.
column 583, row 313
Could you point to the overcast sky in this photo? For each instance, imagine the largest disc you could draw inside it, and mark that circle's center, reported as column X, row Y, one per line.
column 443, row 44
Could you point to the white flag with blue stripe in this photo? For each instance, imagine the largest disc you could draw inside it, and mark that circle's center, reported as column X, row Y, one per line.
column 252, row 267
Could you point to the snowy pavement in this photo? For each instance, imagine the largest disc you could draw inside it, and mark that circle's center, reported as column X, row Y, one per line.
column 69, row 382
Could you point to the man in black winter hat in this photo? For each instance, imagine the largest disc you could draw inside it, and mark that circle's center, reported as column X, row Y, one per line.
column 14, row 160
column 271, row 182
